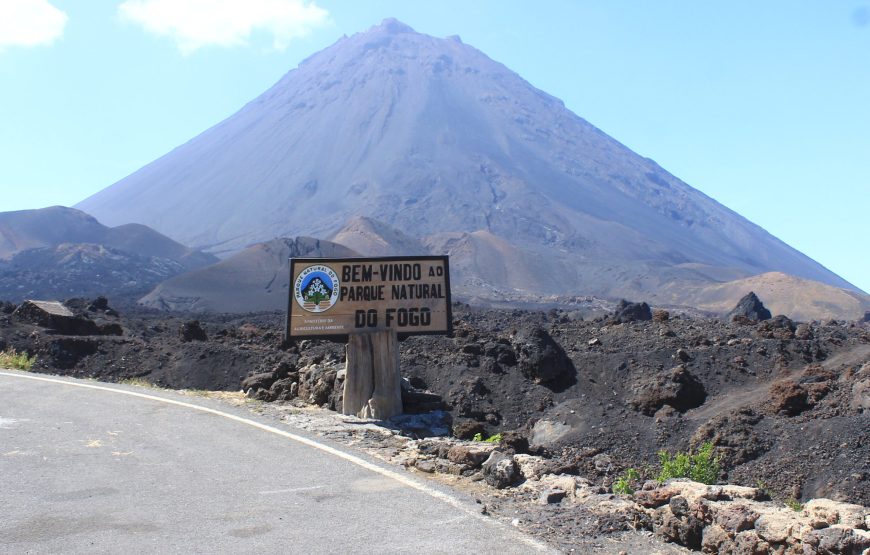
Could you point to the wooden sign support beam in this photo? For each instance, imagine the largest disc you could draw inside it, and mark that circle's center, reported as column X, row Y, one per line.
column 372, row 383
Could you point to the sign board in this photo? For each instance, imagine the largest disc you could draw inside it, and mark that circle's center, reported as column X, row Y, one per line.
column 332, row 297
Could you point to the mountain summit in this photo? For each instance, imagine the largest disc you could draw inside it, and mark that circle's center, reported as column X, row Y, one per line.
column 434, row 139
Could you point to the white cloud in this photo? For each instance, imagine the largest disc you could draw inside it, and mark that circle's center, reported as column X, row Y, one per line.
column 197, row 23
column 29, row 23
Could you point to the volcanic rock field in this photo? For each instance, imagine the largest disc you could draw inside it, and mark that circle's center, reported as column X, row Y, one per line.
column 784, row 404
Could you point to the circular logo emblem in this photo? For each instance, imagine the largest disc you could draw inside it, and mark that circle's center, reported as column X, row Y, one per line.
column 317, row 288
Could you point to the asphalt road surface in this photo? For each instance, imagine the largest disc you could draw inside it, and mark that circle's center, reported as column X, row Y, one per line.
column 86, row 469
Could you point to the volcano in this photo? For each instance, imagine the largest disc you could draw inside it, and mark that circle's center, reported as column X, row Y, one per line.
column 434, row 141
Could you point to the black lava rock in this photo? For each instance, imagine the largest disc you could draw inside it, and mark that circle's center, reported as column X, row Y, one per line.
column 542, row 360
column 192, row 331
column 749, row 307
column 631, row 312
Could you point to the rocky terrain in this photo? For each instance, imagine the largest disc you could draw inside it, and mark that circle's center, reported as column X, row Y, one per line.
column 784, row 404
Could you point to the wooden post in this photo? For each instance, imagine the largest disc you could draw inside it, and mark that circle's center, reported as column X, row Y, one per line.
column 372, row 382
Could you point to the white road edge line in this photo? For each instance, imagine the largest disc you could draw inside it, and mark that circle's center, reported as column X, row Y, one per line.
column 528, row 540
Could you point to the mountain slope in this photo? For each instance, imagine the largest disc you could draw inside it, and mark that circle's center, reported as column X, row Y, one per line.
column 81, row 270
column 430, row 136
column 60, row 252
column 256, row 279
column 58, row 225
column 373, row 238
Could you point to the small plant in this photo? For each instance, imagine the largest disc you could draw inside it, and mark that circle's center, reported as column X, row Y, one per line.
column 700, row 466
column 794, row 504
column 138, row 382
column 491, row 439
column 623, row 485
column 10, row 358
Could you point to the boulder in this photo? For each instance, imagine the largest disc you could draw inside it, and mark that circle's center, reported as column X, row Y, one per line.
column 750, row 543
column 677, row 388
column 825, row 512
column 654, row 498
column 684, row 530
column 531, row 467
column 515, row 442
column 500, row 470
column 661, row 315
column 467, row 429
column 425, row 465
column 259, row 381
column 542, row 360
column 192, row 331
column 750, row 308
column 631, row 312
column 736, row 518
column 778, row 327
column 714, row 538
column 838, row 540
column 471, row 456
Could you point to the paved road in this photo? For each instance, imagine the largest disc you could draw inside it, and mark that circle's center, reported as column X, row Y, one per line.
column 86, row 470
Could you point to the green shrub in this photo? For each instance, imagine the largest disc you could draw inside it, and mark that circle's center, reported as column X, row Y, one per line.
column 794, row 504
column 12, row 359
column 491, row 439
column 700, row 466
column 624, row 484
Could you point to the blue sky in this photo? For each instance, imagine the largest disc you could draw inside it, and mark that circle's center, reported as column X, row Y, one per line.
column 764, row 106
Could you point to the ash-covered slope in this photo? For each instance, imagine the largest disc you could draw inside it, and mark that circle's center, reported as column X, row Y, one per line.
column 430, row 136
column 256, row 279
column 373, row 238
column 799, row 299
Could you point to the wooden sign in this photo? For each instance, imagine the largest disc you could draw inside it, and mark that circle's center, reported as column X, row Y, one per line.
column 337, row 297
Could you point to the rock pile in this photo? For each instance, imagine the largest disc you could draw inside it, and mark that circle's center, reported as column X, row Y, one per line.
column 708, row 518
column 735, row 519
column 322, row 384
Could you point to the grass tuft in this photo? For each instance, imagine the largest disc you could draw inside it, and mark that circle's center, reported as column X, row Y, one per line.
column 138, row 382
column 10, row 358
